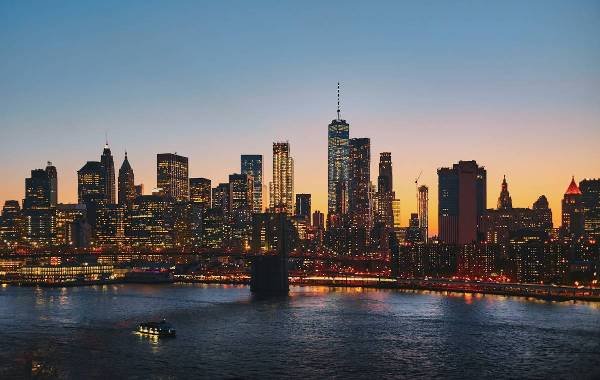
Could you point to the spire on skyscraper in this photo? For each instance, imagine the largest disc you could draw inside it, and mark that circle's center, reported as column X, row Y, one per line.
column 338, row 102
column 504, row 200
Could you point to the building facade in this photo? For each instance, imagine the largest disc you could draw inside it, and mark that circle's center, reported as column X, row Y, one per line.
column 252, row 165
column 282, row 187
column 172, row 175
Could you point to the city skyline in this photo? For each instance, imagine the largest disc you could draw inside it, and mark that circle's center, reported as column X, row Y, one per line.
column 494, row 188
column 428, row 96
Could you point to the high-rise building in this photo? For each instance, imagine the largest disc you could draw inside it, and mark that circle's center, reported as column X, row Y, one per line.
column 423, row 211
column 590, row 189
column 38, row 214
column 338, row 156
column 282, row 189
column 573, row 211
column 303, row 207
column 318, row 220
column 127, row 192
column 461, row 202
column 152, row 221
column 72, row 228
column 91, row 188
column 109, row 165
column 53, row 177
column 385, row 193
column 504, row 200
column 252, row 164
column 414, row 233
column 91, row 183
column 110, row 225
column 187, row 224
column 397, row 214
column 240, row 200
column 359, row 182
column 220, row 198
column 12, row 225
column 200, row 191
column 172, row 175
column 38, row 193
column 139, row 190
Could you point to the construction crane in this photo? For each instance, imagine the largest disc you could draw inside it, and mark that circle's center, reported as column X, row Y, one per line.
column 417, row 183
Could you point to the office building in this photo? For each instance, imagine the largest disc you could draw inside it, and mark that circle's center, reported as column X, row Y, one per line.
column 53, row 177
column 359, row 182
column 590, row 197
column 338, row 156
column 152, row 221
column 240, row 202
column 385, row 193
column 282, row 188
column 172, row 176
column 127, row 191
column 200, row 191
column 461, row 202
column 37, row 190
column 423, row 211
column 303, row 207
column 252, row 165
column 12, row 224
column 573, row 211
column 109, row 165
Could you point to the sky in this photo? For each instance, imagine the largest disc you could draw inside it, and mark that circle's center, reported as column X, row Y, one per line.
column 514, row 85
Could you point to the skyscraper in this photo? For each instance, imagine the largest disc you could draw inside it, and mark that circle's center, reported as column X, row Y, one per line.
column 252, row 164
column 53, row 177
column 38, row 193
column 461, row 202
column 37, row 210
column 338, row 153
column 126, row 184
column 240, row 200
column 109, row 165
column 359, row 182
column 12, row 224
column 572, row 211
column 200, row 191
column 504, row 200
column 303, row 207
column 590, row 189
column 172, row 175
column 282, row 189
column 91, row 183
column 220, row 198
column 423, row 211
column 385, row 193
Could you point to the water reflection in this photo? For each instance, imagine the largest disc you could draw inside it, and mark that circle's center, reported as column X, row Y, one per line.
column 223, row 331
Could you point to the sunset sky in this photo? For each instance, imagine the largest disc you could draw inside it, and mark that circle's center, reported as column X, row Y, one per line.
column 514, row 85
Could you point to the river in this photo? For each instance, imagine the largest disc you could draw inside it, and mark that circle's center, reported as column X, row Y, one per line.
column 316, row 332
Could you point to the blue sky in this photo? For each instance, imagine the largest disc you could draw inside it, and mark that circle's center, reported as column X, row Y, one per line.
column 513, row 84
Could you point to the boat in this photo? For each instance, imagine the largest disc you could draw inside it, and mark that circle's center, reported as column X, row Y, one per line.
column 161, row 328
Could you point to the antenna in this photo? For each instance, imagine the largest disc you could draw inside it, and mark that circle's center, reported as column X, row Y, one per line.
column 106, row 137
column 338, row 101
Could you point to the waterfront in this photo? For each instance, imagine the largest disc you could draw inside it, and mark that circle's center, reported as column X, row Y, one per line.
column 224, row 332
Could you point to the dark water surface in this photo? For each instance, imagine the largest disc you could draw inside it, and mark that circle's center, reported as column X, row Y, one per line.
column 223, row 332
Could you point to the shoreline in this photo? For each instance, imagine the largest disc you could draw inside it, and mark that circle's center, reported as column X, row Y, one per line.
column 540, row 292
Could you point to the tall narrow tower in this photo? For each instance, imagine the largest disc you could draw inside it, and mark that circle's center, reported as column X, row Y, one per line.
column 282, row 189
column 424, row 211
column 109, row 165
column 126, row 184
column 385, row 194
column 338, row 152
column 53, row 176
